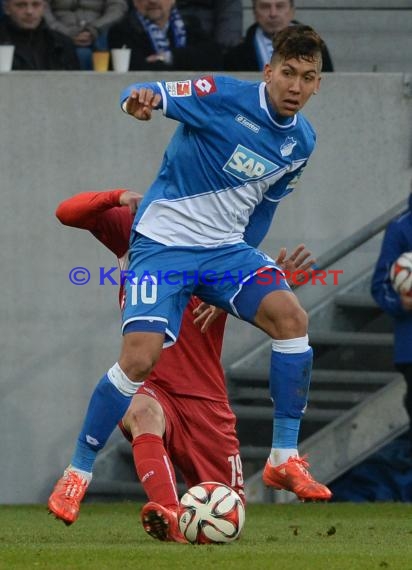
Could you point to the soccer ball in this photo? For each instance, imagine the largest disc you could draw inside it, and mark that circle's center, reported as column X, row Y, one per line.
column 401, row 273
column 211, row 513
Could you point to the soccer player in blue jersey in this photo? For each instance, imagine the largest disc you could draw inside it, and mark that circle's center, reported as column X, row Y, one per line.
column 239, row 149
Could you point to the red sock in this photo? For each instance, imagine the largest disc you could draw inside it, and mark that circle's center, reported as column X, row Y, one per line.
column 155, row 470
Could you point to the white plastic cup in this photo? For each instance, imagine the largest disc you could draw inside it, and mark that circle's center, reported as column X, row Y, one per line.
column 121, row 59
column 6, row 57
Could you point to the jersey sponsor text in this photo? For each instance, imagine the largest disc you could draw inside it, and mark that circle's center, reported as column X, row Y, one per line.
column 247, row 165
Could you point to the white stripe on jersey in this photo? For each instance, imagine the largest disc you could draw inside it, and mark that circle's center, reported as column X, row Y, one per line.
column 164, row 98
column 209, row 219
column 263, row 105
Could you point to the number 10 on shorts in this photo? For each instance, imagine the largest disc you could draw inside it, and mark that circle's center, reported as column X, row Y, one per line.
column 144, row 290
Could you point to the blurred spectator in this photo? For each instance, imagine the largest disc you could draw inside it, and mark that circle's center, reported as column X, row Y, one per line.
column 221, row 20
column 160, row 39
column 86, row 22
column 36, row 45
column 397, row 240
column 271, row 16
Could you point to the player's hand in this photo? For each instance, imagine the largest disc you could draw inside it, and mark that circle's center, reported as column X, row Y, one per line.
column 406, row 301
column 300, row 259
column 141, row 103
column 130, row 199
column 205, row 315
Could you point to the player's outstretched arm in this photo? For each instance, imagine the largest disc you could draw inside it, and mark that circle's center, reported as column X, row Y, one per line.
column 141, row 103
column 108, row 215
column 84, row 210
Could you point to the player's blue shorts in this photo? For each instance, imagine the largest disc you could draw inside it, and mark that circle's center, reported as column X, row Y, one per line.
column 161, row 279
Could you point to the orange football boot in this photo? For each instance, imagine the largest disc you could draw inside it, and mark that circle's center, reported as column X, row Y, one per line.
column 68, row 493
column 161, row 523
column 294, row 476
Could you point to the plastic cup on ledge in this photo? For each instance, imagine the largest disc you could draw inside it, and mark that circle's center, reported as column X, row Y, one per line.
column 6, row 57
column 121, row 59
column 100, row 61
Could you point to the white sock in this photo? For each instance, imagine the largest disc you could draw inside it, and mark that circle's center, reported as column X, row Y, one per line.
column 119, row 379
column 280, row 455
column 83, row 474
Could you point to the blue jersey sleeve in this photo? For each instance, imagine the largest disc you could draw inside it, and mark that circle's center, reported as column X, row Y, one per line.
column 381, row 287
column 194, row 102
column 259, row 222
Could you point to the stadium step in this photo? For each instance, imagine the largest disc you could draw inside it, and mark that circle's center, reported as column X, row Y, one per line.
column 359, row 301
column 351, row 338
column 319, row 376
column 265, row 413
column 341, row 397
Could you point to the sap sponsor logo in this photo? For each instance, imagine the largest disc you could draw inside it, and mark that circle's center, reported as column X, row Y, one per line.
column 179, row 88
column 247, row 165
column 247, row 123
column 205, row 86
column 288, row 146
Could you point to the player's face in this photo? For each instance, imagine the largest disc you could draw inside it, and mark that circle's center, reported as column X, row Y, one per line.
column 158, row 11
column 273, row 15
column 26, row 14
column 290, row 83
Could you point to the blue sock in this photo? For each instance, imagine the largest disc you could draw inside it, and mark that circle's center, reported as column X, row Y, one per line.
column 106, row 408
column 285, row 433
column 289, row 387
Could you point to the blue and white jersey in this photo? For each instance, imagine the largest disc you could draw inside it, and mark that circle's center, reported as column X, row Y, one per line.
column 229, row 154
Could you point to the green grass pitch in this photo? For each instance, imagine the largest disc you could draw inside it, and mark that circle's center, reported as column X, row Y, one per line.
column 279, row 537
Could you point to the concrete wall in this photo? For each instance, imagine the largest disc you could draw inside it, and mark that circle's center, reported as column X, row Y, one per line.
column 64, row 133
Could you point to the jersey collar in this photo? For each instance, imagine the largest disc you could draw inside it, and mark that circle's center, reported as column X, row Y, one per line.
column 281, row 122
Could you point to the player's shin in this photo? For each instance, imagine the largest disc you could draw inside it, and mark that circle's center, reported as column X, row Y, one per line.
column 107, row 406
column 289, row 385
column 290, row 373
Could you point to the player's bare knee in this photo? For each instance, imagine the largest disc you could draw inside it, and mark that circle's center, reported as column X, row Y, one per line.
column 138, row 367
column 293, row 324
column 145, row 415
column 283, row 317
column 299, row 321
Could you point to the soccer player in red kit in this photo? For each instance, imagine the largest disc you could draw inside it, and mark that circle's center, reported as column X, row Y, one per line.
column 180, row 413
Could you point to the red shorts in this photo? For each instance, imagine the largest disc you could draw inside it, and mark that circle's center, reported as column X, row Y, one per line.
column 200, row 438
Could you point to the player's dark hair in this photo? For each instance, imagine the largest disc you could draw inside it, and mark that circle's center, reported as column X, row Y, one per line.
column 298, row 42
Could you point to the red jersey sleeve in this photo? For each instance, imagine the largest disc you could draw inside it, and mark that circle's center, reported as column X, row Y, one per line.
column 101, row 214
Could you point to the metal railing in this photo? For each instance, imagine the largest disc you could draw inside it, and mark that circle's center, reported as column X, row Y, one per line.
column 361, row 236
